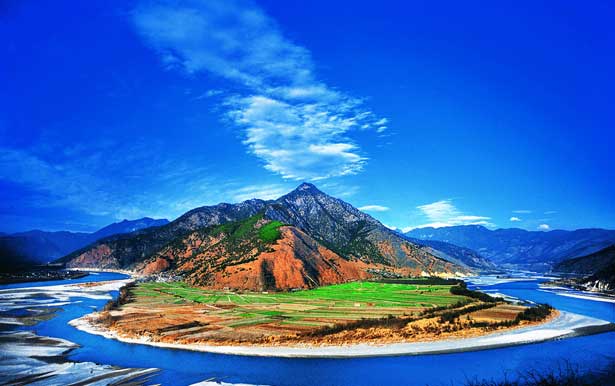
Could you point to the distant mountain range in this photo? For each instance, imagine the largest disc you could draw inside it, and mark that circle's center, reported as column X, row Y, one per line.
column 39, row 247
column 128, row 226
column 455, row 254
column 303, row 239
column 588, row 264
column 517, row 248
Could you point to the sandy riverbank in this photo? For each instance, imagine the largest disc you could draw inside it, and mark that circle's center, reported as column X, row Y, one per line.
column 26, row 357
column 572, row 293
column 565, row 325
column 122, row 271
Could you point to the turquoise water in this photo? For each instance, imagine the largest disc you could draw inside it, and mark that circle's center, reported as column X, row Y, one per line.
column 180, row 367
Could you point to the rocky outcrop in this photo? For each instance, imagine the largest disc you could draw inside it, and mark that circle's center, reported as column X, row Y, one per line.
column 100, row 257
column 597, row 268
column 295, row 261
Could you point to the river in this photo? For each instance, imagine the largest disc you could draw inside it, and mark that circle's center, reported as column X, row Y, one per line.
column 180, row 367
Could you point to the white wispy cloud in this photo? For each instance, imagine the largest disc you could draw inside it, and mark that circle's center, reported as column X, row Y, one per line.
column 381, row 122
column 263, row 192
column 544, row 227
column 209, row 94
column 550, row 212
column 338, row 189
column 444, row 213
column 117, row 181
column 374, row 208
column 515, row 219
column 297, row 125
column 60, row 184
column 522, row 211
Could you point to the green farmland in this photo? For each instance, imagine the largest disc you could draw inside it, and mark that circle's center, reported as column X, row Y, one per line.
column 288, row 311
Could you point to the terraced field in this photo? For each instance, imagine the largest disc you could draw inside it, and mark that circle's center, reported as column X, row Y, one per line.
column 343, row 301
column 178, row 311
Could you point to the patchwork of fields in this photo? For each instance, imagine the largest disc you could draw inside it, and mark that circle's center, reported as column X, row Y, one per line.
column 178, row 311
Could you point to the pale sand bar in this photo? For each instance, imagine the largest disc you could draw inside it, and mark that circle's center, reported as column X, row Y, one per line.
column 565, row 325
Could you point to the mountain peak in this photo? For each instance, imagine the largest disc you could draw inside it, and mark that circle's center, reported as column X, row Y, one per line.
column 323, row 225
column 305, row 189
column 307, row 186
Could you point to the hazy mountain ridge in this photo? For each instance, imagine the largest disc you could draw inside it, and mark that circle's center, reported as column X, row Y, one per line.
column 329, row 226
column 128, row 226
column 456, row 254
column 520, row 248
column 588, row 264
column 40, row 247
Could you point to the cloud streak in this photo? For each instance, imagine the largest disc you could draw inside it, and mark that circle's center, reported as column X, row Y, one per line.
column 263, row 192
column 114, row 181
column 297, row 125
column 444, row 213
column 374, row 208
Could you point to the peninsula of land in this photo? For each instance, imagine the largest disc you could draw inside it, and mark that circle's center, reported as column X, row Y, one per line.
column 415, row 316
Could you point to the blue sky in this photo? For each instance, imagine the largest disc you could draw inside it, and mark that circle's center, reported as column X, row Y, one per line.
column 441, row 113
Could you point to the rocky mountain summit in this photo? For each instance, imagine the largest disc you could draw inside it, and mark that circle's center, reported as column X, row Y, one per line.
column 303, row 239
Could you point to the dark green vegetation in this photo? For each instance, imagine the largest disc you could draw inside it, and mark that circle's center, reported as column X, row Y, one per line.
column 270, row 232
column 124, row 296
column 246, row 229
column 564, row 375
column 532, row 314
column 536, row 313
column 235, row 230
column 462, row 290
column 451, row 316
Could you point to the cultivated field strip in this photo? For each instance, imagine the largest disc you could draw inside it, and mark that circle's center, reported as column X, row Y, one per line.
column 180, row 311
